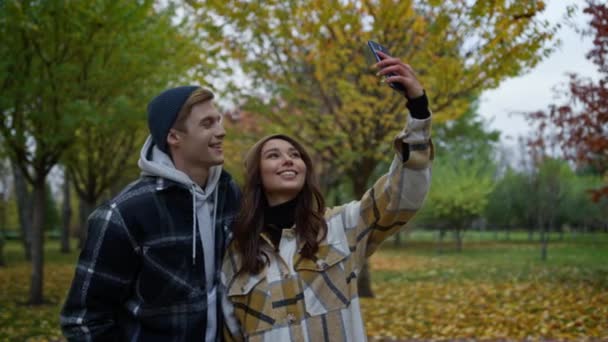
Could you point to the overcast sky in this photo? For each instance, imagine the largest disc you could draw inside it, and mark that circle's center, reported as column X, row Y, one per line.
column 533, row 91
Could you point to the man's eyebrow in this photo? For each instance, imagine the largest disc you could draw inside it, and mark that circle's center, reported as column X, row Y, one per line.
column 211, row 117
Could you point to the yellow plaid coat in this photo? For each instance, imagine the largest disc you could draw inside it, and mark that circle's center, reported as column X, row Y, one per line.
column 298, row 299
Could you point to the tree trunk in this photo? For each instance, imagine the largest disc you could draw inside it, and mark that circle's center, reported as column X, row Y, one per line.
column 67, row 214
column 458, row 237
column 364, row 282
column 2, row 262
column 398, row 239
column 24, row 208
column 37, row 279
column 359, row 180
column 2, row 227
column 544, row 241
column 85, row 208
column 543, row 249
column 440, row 240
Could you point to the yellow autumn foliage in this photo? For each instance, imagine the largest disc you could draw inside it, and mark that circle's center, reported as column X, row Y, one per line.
column 305, row 68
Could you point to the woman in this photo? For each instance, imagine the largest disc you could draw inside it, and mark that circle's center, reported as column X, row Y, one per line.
column 290, row 273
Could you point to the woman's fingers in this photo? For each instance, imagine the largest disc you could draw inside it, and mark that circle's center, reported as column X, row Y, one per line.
column 398, row 69
column 410, row 69
column 386, row 60
column 411, row 84
column 398, row 72
column 394, row 65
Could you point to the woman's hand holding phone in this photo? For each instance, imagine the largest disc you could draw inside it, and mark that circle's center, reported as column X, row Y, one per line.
column 398, row 72
column 398, row 75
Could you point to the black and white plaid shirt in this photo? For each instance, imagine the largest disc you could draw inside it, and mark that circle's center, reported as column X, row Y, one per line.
column 136, row 277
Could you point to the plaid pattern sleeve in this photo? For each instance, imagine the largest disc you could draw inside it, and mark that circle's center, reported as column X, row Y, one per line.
column 232, row 330
column 395, row 197
column 102, row 280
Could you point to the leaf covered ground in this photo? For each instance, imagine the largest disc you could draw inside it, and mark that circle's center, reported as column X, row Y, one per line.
column 489, row 291
column 442, row 301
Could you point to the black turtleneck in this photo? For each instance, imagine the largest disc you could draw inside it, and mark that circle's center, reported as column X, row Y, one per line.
column 419, row 107
column 278, row 218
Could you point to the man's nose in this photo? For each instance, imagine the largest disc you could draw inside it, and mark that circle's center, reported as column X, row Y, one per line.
column 221, row 131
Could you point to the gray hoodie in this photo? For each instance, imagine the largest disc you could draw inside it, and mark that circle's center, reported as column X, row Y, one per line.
column 154, row 162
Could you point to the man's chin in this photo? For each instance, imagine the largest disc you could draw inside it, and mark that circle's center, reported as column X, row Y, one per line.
column 217, row 161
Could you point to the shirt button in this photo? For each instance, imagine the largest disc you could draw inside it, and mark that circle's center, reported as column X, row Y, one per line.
column 291, row 318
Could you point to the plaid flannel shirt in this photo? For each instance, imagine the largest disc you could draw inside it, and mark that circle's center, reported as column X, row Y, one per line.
column 136, row 279
column 298, row 299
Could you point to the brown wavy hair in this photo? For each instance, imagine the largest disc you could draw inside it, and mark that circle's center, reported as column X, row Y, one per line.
column 310, row 225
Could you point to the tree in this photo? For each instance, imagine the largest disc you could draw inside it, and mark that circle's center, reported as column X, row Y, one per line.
column 146, row 57
column 51, row 215
column 34, row 84
column 506, row 205
column 99, row 162
column 578, row 209
column 66, row 213
column 579, row 124
column 307, row 71
column 3, row 206
column 468, row 135
column 24, row 208
column 148, row 52
column 58, row 61
column 551, row 192
column 318, row 74
column 511, row 203
column 459, row 193
column 548, row 184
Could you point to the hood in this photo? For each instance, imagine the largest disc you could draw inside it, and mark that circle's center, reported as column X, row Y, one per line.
column 154, row 162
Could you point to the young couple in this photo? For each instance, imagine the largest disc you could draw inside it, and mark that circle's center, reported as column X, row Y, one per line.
column 180, row 255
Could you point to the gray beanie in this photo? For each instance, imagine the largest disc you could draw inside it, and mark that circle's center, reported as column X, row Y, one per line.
column 162, row 113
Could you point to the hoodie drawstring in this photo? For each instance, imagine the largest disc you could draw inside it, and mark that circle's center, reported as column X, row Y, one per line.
column 193, row 191
column 214, row 206
column 194, row 219
column 214, row 217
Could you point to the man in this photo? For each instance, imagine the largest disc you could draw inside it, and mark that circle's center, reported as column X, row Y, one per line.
column 150, row 267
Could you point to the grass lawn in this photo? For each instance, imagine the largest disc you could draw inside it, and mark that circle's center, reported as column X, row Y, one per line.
column 494, row 289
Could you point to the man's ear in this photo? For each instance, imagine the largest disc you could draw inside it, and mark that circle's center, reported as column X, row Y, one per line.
column 173, row 138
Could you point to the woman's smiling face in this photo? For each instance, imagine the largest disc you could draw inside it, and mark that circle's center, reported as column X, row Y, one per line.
column 282, row 170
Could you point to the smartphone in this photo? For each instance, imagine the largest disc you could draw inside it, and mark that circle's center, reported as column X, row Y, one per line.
column 375, row 47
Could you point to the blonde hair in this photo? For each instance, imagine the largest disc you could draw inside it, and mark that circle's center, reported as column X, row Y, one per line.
column 200, row 95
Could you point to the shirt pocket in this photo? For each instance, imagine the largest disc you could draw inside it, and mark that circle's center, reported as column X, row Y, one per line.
column 324, row 280
column 252, row 303
column 167, row 275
